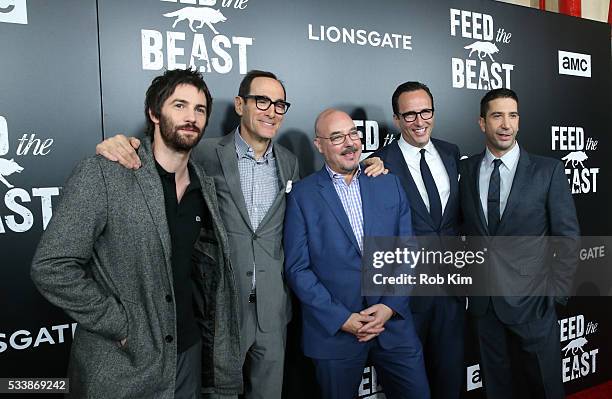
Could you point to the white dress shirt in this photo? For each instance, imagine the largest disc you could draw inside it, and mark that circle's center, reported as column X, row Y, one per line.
column 412, row 156
column 507, row 169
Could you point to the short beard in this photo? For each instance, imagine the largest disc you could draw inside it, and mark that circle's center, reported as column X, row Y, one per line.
column 350, row 169
column 173, row 139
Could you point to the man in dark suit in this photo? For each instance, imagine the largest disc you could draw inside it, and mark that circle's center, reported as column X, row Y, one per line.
column 428, row 170
column 328, row 215
column 508, row 192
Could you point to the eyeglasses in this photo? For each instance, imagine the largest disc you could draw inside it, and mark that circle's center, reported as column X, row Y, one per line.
column 411, row 116
column 337, row 139
column 263, row 103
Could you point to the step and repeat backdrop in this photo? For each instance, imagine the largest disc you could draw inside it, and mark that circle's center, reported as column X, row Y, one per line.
column 75, row 71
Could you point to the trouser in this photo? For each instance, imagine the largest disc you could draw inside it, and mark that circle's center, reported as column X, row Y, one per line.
column 263, row 358
column 441, row 330
column 189, row 373
column 400, row 371
column 520, row 360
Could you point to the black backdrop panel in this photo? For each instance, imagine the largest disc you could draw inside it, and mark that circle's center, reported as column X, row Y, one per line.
column 49, row 119
column 79, row 70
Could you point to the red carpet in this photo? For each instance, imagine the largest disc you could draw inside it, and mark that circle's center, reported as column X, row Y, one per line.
column 603, row 391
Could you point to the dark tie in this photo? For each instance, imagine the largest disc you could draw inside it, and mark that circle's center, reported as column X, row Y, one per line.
column 493, row 198
column 435, row 206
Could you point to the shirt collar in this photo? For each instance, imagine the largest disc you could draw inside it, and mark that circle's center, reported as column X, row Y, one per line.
column 163, row 172
column 338, row 176
column 412, row 150
column 243, row 149
column 509, row 159
column 194, row 181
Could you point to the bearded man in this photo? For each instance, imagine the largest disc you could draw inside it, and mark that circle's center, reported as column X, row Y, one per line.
column 140, row 260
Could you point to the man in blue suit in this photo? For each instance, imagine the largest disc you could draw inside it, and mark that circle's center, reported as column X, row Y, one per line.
column 428, row 170
column 511, row 197
column 327, row 216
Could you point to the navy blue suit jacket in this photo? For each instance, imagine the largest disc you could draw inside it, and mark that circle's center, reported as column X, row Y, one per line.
column 323, row 261
column 422, row 224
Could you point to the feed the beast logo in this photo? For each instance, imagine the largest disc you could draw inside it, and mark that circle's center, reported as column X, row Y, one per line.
column 21, row 207
column 579, row 356
column 576, row 148
column 482, row 44
column 197, row 38
column 13, row 11
column 574, row 64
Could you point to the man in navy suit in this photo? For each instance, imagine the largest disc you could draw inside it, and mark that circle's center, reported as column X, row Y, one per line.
column 511, row 197
column 328, row 214
column 428, row 170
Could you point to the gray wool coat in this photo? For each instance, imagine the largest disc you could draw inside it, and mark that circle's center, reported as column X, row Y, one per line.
column 105, row 259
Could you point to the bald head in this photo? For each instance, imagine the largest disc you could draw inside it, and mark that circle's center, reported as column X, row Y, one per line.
column 324, row 117
column 337, row 139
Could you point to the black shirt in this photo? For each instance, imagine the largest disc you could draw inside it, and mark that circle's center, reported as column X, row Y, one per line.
column 184, row 222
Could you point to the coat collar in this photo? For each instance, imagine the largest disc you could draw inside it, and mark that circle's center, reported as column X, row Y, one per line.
column 149, row 181
column 328, row 192
column 397, row 165
column 226, row 153
column 524, row 169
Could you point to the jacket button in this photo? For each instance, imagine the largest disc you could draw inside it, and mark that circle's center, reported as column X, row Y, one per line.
column 169, row 338
column 168, row 298
column 249, row 273
column 255, row 237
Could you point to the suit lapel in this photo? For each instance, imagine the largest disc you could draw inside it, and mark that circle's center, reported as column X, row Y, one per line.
column 474, row 169
column 284, row 172
column 451, row 170
column 397, row 165
column 330, row 197
column 151, row 187
column 226, row 151
column 369, row 218
column 521, row 177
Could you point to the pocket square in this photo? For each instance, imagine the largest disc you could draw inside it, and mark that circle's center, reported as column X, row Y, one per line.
column 288, row 186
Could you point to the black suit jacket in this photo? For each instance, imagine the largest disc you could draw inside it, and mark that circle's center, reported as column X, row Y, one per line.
column 539, row 205
column 422, row 224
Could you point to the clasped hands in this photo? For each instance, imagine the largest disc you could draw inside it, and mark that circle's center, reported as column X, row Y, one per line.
column 368, row 323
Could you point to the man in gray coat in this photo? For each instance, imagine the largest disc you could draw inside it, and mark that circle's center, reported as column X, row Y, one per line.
column 140, row 259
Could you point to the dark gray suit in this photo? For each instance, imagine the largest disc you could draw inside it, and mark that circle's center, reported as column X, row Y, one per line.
column 527, row 277
column 262, row 247
column 105, row 259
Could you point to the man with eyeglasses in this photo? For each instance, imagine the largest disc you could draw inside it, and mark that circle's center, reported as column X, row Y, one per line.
column 252, row 175
column 428, row 170
column 328, row 215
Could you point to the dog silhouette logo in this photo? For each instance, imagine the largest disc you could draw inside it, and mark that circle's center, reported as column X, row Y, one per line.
column 575, row 157
column 575, row 346
column 483, row 48
column 13, row 11
column 203, row 15
column 7, row 168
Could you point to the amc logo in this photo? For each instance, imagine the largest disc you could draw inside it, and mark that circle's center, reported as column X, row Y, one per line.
column 13, row 11
column 574, row 64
